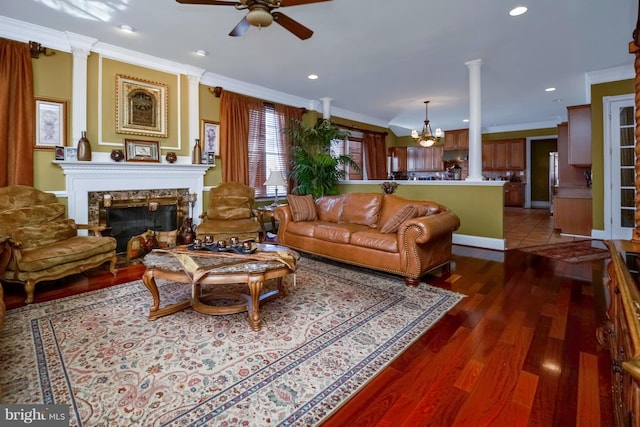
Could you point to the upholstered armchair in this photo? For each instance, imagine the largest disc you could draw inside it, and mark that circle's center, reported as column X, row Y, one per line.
column 44, row 243
column 230, row 213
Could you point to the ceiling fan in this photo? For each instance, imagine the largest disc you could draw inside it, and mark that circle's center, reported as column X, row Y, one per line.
column 261, row 14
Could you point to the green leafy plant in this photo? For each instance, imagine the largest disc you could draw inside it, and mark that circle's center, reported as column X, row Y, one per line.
column 315, row 169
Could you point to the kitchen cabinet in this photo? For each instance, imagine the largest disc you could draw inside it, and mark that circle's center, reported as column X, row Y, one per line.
column 398, row 159
column 507, row 155
column 456, row 139
column 514, row 194
column 572, row 211
column 579, row 135
column 434, row 159
column 425, row 159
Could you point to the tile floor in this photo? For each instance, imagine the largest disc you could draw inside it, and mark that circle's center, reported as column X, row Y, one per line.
column 531, row 227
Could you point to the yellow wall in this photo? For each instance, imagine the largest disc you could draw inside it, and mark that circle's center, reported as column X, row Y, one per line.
column 598, row 92
column 48, row 83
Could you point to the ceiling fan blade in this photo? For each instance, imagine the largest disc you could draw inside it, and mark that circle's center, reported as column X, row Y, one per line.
column 284, row 3
column 241, row 28
column 295, row 27
column 209, row 2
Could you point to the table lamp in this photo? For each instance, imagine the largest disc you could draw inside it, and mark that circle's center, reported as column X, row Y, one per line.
column 276, row 179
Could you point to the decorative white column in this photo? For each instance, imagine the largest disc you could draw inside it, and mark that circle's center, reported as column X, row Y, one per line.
column 194, row 109
column 475, row 121
column 326, row 108
column 81, row 49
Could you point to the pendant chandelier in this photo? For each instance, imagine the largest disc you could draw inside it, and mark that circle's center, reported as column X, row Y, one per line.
column 426, row 138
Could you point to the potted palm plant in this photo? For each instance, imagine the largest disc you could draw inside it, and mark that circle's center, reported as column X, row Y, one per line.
column 315, row 168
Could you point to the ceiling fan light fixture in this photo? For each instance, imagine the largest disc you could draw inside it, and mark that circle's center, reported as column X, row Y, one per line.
column 259, row 16
column 427, row 138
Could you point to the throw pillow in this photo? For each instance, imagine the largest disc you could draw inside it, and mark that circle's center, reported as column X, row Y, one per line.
column 392, row 225
column 303, row 208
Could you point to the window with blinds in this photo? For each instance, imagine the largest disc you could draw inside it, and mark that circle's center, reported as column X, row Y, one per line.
column 353, row 147
column 266, row 149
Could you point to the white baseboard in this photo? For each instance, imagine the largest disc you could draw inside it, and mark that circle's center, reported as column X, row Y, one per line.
column 480, row 242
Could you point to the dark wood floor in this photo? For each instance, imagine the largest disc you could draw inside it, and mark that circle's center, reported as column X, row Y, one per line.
column 520, row 350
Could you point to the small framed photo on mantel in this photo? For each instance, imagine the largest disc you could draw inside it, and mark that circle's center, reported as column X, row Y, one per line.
column 141, row 151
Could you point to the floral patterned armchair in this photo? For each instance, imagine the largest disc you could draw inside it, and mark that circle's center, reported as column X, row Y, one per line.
column 44, row 243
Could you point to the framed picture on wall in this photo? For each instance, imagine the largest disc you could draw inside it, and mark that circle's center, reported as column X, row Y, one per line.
column 51, row 123
column 209, row 137
column 141, row 107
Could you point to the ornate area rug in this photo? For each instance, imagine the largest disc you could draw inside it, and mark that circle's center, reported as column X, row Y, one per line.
column 96, row 352
column 573, row 252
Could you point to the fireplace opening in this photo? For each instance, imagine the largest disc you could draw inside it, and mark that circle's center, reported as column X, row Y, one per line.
column 130, row 215
column 129, row 221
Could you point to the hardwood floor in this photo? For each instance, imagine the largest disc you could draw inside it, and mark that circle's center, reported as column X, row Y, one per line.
column 520, row 350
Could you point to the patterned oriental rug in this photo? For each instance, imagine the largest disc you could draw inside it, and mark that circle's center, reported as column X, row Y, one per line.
column 573, row 252
column 318, row 346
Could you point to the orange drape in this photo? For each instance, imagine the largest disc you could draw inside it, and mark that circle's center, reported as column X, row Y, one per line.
column 17, row 114
column 234, row 137
column 234, row 132
column 375, row 155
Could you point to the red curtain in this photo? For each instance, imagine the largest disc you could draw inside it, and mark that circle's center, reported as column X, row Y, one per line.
column 375, row 155
column 17, row 114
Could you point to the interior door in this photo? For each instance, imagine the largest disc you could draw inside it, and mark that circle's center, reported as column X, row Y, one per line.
column 621, row 117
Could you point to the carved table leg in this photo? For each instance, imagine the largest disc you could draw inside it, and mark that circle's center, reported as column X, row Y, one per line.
column 253, row 309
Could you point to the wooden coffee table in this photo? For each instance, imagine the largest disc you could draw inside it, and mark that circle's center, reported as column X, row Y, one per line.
column 204, row 268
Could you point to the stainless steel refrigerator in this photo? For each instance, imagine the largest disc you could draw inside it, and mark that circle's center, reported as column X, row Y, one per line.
column 553, row 178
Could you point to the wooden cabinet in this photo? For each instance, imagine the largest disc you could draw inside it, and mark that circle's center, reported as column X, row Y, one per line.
column 425, row 159
column 507, row 155
column 579, row 135
column 516, row 150
column 572, row 211
column 619, row 333
column 398, row 159
column 514, row 194
column 456, row 139
column 433, row 161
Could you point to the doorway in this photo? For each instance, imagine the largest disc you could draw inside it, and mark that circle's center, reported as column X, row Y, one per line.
column 619, row 164
column 537, row 189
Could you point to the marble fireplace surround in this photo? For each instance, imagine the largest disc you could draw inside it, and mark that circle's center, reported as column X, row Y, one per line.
column 83, row 178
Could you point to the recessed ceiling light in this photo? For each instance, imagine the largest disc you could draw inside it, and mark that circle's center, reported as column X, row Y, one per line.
column 465, row 120
column 517, row 11
column 312, row 77
column 127, row 28
column 202, row 52
column 550, row 89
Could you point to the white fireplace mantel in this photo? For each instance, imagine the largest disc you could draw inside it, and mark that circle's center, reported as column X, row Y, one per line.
column 84, row 177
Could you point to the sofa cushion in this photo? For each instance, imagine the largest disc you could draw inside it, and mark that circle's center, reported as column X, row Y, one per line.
column 35, row 236
column 329, row 208
column 31, row 215
column 375, row 240
column 75, row 249
column 229, row 207
column 393, row 223
column 337, row 233
column 303, row 208
column 302, row 228
column 362, row 208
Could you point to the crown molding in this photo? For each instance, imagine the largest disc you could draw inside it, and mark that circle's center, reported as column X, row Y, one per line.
column 61, row 40
column 24, row 32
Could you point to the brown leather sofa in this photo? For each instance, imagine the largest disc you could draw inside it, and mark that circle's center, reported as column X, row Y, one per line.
column 44, row 243
column 378, row 231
